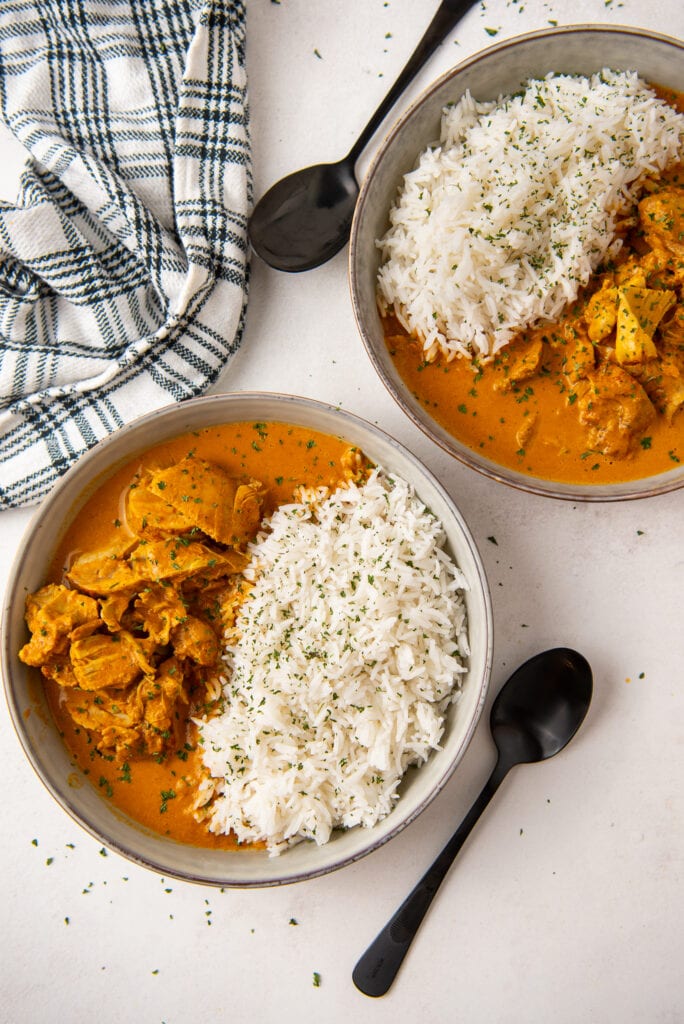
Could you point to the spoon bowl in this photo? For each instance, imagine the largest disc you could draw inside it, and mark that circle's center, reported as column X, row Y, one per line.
column 299, row 222
column 536, row 713
column 541, row 707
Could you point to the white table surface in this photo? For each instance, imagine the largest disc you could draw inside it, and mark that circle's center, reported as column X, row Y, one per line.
column 566, row 903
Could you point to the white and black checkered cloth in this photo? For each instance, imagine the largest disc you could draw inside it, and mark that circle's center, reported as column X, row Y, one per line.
column 123, row 262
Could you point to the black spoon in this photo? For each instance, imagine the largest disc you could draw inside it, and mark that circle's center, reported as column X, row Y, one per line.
column 536, row 713
column 305, row 218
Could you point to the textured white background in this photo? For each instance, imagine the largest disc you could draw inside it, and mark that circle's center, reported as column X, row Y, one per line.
column 566, row 903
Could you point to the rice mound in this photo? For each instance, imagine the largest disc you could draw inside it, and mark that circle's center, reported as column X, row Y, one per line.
column 348, row 651
column 503, row 221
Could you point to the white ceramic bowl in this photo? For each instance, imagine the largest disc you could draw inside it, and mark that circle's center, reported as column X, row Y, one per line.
column 38, row 733
column 500, row 69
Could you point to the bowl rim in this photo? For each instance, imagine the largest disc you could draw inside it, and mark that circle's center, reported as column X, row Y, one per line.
column 632, row 490
column 9, row 662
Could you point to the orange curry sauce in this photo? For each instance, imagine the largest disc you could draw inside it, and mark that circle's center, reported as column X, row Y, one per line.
column 468, row 400
column 159, row 793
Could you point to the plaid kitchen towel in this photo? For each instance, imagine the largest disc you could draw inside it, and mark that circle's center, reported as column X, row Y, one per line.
column 123, row 262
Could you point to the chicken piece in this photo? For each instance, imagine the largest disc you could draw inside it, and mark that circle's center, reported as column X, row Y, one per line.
column 579, row 354
column 105, row 572
column 116, row 719
column 632, row 273
column 102, row 660
column 161, row 698
column 663, row 378
column 87, row 629
column 661, row 216
column 150, row 514
column 249, row 499
column 526, row 431
column 219, row 604
column 211, row 603
column 640, row 310
column 198, row 495
column 52, row 614
column 196, row 640
column 176, row 559
column 120, row 741
column 519, row 361
column 625, row 301
column 662, row 381
column 59, row 669
column 114, row 608
column 615, row 408
column 160, row 609
column 671, row 348
column 355, row 465
column 600, row 314
column 147, row 719
column 108, row 572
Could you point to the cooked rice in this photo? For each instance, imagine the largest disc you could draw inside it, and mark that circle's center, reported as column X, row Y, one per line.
column 503, row 221
column 347, row 653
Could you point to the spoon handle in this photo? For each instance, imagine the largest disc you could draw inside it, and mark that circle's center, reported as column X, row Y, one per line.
column 446, row 17
column 378, row 967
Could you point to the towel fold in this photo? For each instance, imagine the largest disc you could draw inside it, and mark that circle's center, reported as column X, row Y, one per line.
column 124, row 261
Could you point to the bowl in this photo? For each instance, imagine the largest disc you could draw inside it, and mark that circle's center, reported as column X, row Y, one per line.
column 498, row 70
column 38, row 733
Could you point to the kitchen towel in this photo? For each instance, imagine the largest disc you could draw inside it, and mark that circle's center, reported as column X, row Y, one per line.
column 124, row 260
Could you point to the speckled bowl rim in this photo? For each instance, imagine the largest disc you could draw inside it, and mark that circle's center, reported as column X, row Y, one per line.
column 38, row 734
column 374, row 202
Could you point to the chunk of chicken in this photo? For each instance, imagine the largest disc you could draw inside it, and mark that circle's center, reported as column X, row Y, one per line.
column 108, row 572
column 159, row 610
column 663, row 378
column 195, row 640
column 526, row 430
column 661, row 216
column 58, row 668
column 161, row 699
column 103, row 661
column 176, row 559
column 198, row 495
column 114, row 608
column 579, row 354
column 219, row 603
column 354, row 464
column 601, row 311
column 519, row 361
column 615, row 408
column 147, row 719
column 105, row 571
column 103, row 711
column 640, row 310
column 52, row 614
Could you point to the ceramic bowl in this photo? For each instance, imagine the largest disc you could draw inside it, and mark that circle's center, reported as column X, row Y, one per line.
column 498, row 70
column 36, row 729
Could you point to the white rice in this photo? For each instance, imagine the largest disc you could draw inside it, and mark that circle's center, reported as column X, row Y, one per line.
column 350, row 648
column 503, row 221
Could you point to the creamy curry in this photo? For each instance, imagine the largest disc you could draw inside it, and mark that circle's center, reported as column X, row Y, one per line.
column 128, row 629
column 596, row 397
